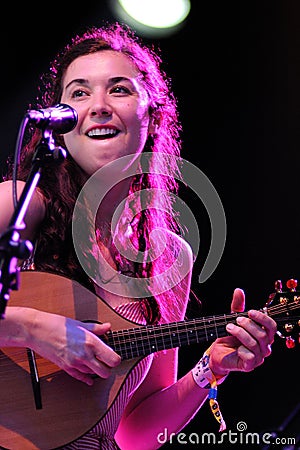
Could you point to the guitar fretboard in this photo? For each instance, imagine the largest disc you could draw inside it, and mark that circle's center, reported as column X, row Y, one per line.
column 142, row 341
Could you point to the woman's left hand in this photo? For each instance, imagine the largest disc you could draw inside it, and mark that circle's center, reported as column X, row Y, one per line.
column 249, row 342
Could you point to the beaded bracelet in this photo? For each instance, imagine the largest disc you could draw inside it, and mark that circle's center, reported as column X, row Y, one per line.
column 204, row 377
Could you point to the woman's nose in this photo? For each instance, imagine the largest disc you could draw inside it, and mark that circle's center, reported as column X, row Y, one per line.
column 101, row 108
column 101, row 112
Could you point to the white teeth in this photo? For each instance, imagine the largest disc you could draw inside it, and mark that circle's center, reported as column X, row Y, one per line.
column 101, row 132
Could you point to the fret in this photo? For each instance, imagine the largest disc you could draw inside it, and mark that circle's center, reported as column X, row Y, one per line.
column 145, row 342
column 215, row 327
column 176, row 335
column 140, row 339
column 163, row 333
column 169, row 336
column 126, row 349
column 183, row 339
column 210, row 333
column 206, row 334
column 173, row 336
column 130, row 345
column 152, row 341
column 222, row 331
column 187, row 334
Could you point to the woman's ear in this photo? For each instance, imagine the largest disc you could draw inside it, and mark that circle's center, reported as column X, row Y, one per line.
column 154, row 124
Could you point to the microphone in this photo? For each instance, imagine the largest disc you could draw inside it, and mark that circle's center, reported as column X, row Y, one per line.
column 61, row 118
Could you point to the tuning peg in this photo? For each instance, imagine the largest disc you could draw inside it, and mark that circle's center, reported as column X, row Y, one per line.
column 278, row 286
column 270, row 299
column 290, row 342
column 292, row 284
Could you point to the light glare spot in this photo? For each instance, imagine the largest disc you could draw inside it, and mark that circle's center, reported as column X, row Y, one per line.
column 157, row 13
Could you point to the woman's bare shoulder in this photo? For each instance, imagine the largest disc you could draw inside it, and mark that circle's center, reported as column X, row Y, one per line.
column 34, row 214
column 179, row 243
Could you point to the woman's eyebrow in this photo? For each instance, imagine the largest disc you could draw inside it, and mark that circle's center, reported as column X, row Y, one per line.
column 120, row 78
column 76, row 81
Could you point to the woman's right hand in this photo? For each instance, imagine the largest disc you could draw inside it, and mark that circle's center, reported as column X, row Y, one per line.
column 72, row 345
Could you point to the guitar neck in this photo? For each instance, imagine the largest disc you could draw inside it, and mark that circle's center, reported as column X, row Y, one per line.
column 144, row 340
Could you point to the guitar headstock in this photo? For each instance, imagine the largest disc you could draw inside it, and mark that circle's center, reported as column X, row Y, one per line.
column 286, row 311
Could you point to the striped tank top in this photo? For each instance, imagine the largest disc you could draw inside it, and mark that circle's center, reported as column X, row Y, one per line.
column 102, row 435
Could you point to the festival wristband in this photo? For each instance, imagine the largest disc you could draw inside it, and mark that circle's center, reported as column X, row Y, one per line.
column 204, row 378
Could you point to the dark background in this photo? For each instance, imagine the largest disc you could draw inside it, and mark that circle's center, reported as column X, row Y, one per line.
column 236, row 73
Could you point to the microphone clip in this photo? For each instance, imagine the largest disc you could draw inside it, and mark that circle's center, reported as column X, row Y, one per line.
column 47, row 152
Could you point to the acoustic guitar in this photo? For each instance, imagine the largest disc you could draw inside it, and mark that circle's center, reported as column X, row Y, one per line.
column 42, row 407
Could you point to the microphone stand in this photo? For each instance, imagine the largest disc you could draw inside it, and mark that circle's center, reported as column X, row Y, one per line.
column 12, row 248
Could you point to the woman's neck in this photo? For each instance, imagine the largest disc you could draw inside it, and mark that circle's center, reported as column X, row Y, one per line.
column 112, row 204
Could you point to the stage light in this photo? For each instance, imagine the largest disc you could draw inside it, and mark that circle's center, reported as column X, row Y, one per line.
column 153, row 18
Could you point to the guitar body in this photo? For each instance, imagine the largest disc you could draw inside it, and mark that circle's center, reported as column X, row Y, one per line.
column 69, row 407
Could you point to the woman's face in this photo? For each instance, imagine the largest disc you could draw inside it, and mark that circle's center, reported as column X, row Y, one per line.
column 112, row 105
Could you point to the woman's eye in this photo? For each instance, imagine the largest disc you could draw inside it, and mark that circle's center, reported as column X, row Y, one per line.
column 120, row 90
column 78, row 93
